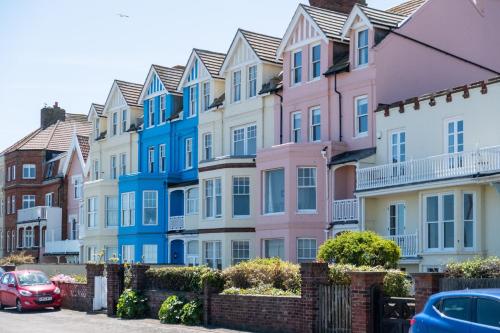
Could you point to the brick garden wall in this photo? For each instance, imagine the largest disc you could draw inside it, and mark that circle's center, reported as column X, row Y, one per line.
column 75, row 296
column 157, row 297
column 258, row 313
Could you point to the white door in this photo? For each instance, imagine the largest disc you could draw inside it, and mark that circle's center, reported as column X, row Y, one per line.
column 100, row 293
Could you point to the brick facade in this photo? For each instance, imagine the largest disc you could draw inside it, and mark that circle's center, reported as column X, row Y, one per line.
column 115, row 274
column 426, row 284
column 363, row 285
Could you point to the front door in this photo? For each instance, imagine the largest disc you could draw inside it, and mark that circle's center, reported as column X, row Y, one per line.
column 177, row 252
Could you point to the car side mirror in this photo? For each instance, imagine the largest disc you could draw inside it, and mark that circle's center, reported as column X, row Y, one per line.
column 11, row 285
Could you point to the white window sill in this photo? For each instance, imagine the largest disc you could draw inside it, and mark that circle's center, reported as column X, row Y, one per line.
column 307, row 212
column 149, row 225
column 361, row 67
column 361, row 135
column 273, row 214
column 241, row 217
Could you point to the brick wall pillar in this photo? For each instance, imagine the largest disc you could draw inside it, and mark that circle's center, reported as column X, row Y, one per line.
column 138, row 277
column 313, row 275
column 363, row 314
column 93, row 270
column 426, row 284
column 115, row 275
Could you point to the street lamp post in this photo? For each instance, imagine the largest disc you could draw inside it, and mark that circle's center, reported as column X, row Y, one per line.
column 39, row 239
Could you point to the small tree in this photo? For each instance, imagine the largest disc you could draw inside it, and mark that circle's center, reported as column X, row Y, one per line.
column 360, row 249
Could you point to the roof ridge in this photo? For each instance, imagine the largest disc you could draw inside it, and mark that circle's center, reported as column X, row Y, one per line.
column 380, row 10
column 208, row 51
column 258, row 33
column 22, row 140
column 52, row 134
column 123, row 81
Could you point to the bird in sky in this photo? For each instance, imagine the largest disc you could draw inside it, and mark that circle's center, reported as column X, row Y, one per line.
column 122, row 15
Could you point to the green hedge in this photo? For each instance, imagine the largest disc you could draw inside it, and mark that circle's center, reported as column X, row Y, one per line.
column 255, row 273
column 175, row 310
column 396, row 282
column 132, row 305
column 188, row 279
column 266, row 290
column 478, row 268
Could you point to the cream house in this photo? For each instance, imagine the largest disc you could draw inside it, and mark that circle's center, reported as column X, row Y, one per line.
column 435, row 185
column 2, row 206
column 113, row 153
column 230, row 131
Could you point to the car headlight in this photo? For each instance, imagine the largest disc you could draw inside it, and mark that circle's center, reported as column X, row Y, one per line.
column 57, row 290
column 25, row 293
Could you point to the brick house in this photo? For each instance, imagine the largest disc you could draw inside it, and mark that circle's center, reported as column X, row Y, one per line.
column 35, row 189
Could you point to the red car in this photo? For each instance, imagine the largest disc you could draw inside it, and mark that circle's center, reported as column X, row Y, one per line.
column 28, row 290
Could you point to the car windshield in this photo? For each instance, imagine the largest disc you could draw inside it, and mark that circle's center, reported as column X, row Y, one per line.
column 32, row 279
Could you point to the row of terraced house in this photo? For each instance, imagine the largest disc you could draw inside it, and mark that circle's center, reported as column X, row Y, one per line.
column 356, row 119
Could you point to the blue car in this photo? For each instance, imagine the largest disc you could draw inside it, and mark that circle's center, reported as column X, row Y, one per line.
column 465, row 311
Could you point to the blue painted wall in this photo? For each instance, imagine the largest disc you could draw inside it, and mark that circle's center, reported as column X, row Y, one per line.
column 173, row 134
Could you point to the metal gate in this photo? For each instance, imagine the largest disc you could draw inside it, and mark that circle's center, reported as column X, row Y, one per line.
column 100, row 300
column 334, row 309
column 395, row 314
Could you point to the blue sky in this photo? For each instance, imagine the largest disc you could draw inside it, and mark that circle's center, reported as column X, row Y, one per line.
column 71, row 51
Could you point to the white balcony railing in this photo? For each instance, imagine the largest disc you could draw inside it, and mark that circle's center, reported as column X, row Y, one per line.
column 62, row 247
column 407, row 243
column 438, row 167
column 32, row 214
column 176, row 223
column 345, row 210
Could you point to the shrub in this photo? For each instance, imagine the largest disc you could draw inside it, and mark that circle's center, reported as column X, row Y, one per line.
column 265, row 289
column 170, row 310
column 61, row 278
column 396, row 282
column 478, row 268
column 192, row 313
column 132, row 305
column 17, row 259
column 360, row 249
column 189, row 279
column 254, row 273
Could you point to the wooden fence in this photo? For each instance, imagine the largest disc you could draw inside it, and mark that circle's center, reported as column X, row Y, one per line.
column 335, row 309
column 448, row 284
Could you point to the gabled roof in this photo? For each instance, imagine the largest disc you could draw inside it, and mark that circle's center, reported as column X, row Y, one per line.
column 56, row 137
column 97, row 109
column 212, row 61
column 168, row 76
column 81, row 147
column 84, row 143
column 130, row 91
column 407, row 8
column 328, row 22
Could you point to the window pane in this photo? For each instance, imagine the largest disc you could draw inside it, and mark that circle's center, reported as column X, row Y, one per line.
column 275, row 191
column 458, row 308
column 241, row 196
column 432, row 209
column 433, row 236
column 449, row 234
column 252, row 140
column 448, row 203
column 488, row 312
column 274, row 248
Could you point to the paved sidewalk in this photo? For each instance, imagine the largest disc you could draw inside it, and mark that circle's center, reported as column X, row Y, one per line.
column 67, row 321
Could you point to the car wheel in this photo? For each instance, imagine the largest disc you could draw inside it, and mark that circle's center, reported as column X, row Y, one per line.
column 57, row 308
column 1, row 305
column 19, row 306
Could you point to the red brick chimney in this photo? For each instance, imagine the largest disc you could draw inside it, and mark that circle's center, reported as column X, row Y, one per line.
column 344, row 6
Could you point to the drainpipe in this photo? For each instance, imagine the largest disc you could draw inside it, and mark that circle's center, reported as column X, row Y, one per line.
column 281, row 117
column 324, row 154
column 340, row 106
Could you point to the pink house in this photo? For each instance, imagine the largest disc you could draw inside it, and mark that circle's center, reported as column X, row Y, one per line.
column 340, row 62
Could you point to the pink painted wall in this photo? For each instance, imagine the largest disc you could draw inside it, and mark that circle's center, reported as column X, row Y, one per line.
column 75, row 169
column 406, row 69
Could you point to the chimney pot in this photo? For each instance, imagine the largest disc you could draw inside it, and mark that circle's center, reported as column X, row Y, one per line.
column 343, row 6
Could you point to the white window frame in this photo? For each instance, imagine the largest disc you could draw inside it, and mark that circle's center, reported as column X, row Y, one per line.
column 123, row 164
column 150, row 253
column 312, row 62
column 128, row 209
column 207, row 146
column 362, row 48
column 246, row 139
column 77, row 187
column 252, row 81
column 124, row 118
column 108, row 210
column 206, row 96
column 397, row 227
column 114, row 124
column 235, row 259
column 30, row 169
column 95, row 167
column 92, row 212
column 359, row 116
column 455, row 148
column 97, row 128
column 163, row 109
column 236, row 86
column 192, row 101
column 214, row 194
column 296, row 133
column 151, row 159
column 162, row 158
column 237, row 185
column 215, row 255
column 144, row 207
column 265, row 243
column 151, row 112
column 440, row 222
column 91, row 253
column 473, row 221
column 49, row 199
column 29, row 198
column 265, row 192
column 305, row 187
column 295, row 68
column 128, row 251
column 300, row 258
column 192, row 202
column 113, row 168
column 188, row 153
column 313, row 125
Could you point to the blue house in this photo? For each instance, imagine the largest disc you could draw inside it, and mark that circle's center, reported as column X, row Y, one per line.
column 167, row 156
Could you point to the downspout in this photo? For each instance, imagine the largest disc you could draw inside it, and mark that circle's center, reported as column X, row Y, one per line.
column 324, row 154
column 340, row 106
column 281, row 117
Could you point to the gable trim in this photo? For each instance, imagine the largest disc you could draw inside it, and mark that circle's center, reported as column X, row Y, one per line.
column 75, row 146
column 356, row 12
column 239, row 36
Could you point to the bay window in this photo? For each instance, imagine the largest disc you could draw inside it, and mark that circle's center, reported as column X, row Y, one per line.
column 306, row 189
column 128, row 209
column 207, row 146
column 469, row 219
column 111, row 209
column 274, row 191
column 128, row 253
column 241, row 196
column 212, row 254
column 92, row 207
column 188, row 147
column 245, row 140
column 306, row 250
column 213, row 198
column 440, row 221
column 150, row 253
column 192, row 201
column 274, row 248
column 123, row 164
column 150, row 207
column 29, row 171
column 240, row 251
column 151, row 159
column 113, row 172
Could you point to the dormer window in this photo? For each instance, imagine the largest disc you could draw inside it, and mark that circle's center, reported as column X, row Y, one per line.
column 151, row 113
column 192, row 101
column 252, row 81
column 114, row 124
column 206, row 95
column 362, row 47
column 124, row 121
column 315, row 62
column 237, row 86
column 296, row 67
column 163, row 108
column 97, row 131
